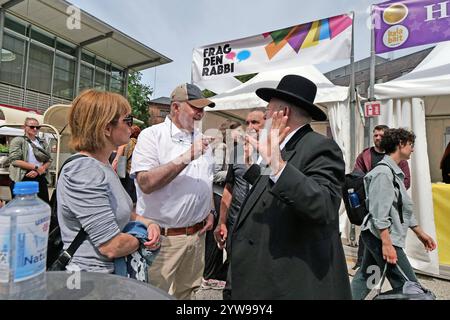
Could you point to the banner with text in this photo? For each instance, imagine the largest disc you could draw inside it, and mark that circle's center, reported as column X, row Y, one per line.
column 306, row 44
column 410, row 23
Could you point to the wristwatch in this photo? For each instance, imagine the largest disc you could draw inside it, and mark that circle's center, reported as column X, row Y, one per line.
column 213, row 212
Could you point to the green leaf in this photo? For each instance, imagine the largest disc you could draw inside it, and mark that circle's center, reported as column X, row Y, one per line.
column 139, row 97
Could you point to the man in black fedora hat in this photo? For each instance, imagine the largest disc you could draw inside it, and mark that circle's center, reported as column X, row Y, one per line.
column 286, row 243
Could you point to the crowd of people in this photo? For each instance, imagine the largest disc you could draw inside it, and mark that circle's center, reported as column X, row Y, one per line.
column 255, row 207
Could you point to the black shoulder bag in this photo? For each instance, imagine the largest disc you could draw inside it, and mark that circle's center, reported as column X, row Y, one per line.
column 40, row 154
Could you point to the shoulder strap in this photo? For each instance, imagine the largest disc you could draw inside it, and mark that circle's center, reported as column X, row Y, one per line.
column 71, row 158
column 67, row 254
column 38, row 148
column 397, row 186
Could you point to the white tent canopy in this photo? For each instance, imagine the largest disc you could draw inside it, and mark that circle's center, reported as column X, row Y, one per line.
column 244, row 97
column 332, row 98
column 9, row 131
column 406, row 101
column 430, row 78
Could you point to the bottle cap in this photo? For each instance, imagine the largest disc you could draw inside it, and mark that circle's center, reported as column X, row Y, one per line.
column 26, row 187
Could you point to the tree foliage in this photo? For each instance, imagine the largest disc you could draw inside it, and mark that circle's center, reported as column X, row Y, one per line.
column 139, row 97
column 245, row 77
column 208, row 93
column 242, row 78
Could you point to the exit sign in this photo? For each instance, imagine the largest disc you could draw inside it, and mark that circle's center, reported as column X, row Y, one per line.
column 372, row 109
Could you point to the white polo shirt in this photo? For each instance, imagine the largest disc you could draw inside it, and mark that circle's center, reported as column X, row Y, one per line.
column 186, row 200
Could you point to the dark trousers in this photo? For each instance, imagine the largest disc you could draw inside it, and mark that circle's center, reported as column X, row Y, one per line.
column 360, row 251
column 43, row 188
column 226, row 292
column 373, row 256
column 214, row 266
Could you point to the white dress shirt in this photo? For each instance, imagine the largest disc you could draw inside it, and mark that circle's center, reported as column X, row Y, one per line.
column 186, row 200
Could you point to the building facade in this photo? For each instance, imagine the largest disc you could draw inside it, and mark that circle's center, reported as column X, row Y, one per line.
column 44, row 61
column 158, row 109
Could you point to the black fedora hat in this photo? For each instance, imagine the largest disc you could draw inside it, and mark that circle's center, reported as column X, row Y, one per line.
column 296, row 90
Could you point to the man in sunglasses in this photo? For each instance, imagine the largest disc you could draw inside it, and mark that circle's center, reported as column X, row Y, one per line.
column 29, row 158
column 173, row 166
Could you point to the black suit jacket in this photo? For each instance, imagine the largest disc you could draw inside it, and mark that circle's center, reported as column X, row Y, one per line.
column 286, row 243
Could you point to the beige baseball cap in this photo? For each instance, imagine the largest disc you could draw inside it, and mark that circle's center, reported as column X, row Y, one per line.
column 191, row 94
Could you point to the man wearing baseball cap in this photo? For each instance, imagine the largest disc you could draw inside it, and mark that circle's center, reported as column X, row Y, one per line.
column 173, row 168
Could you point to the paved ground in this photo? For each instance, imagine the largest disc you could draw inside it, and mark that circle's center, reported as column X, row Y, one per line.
column 440, row 287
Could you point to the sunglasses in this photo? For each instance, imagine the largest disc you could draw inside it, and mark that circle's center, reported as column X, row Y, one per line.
column 128, row 120
column 34, row 127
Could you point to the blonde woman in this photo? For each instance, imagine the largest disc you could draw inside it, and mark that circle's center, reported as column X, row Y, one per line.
column 90, row 195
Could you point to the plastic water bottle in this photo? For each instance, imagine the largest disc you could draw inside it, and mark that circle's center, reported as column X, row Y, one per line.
column 353, row 198
column 24, row 225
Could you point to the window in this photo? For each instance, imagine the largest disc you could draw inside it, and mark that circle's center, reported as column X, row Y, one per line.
column 100, row 64
column 64, row 77
column 13, row 52
column 116, row 80
column 163, row 113
column 40, row 69
column 100, row 80
column 42, row 37
column 86, row 77
column 87, row 57
column 65, row 47
column 15, row 26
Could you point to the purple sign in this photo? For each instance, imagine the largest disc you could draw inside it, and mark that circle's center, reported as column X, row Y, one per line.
column 410, row 23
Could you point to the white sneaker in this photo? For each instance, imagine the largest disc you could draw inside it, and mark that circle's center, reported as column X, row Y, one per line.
column 212, row 284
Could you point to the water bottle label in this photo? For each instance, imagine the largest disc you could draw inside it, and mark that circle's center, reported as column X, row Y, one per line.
column 5, row 248
column 31, row 246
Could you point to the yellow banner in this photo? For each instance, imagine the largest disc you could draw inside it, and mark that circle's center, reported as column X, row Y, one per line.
column 441, row 202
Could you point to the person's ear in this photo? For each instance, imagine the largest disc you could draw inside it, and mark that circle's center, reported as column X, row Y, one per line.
column 108, row 130
column 176, row 106
column 287, row 111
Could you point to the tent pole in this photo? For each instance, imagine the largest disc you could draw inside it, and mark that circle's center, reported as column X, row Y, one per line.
column 352, row 234
column 352, row 98
column 369, row 124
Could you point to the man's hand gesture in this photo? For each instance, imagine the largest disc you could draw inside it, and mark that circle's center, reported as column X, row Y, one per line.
column 270, row 149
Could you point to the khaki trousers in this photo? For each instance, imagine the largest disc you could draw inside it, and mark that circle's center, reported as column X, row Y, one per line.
column 178, row 268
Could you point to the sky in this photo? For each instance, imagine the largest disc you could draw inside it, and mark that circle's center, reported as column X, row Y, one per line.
column 175, row 27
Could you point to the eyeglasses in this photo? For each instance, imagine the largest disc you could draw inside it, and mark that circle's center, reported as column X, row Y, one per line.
column 34, row 127
column 128, row 120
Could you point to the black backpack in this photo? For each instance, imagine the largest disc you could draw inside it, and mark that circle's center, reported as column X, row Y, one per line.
column 355, row 181
column 56, row 256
